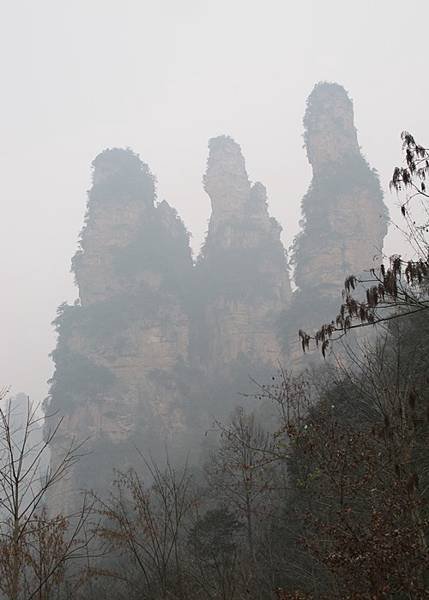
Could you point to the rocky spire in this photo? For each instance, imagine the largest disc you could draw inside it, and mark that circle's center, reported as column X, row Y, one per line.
column 226, row 180
column 242, row 268
column 121, row 344
column 329, row 132
column 344, row 217
column 122, row 196
column 155, row 345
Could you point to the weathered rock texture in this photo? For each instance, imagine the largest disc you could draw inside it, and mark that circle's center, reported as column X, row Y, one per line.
column 242, row 268
column 156, row 346
column 243, row 281
column 121, row 343
column 150, row 350
column 344, row 217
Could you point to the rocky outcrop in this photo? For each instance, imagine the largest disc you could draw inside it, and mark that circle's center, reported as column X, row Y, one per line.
column 344, row 218
column 242, row 268
column 121, row 343
column 155, row 346
column 243, row 278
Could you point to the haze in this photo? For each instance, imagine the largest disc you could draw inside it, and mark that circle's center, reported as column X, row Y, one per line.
column 163, row 77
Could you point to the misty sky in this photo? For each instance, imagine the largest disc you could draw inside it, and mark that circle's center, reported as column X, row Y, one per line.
column 163, row 76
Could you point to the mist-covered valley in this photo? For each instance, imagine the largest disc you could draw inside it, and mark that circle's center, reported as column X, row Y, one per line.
column 232, row 410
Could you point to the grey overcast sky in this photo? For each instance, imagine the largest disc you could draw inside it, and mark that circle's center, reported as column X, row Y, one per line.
column 163, row 76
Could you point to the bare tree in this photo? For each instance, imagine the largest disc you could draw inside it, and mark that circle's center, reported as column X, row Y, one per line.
column 147, row 523
column 240, row 472
column 359, row 468
column 35, row 547
column 399, row 288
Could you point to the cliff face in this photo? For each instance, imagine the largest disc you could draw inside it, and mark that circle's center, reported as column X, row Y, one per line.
column 242, row 266
column 344, row 217
column 156, row 346
column 149, row 353
column 121, row 343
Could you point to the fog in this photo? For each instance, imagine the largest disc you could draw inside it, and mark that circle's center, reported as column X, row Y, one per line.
column 163, row 77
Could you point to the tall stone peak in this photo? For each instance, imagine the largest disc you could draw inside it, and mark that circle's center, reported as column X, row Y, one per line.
column 152, row 347
column 226, row 180
column 121, row 198
column 329, row 132
column 227, row 183
column 242, row 267
column 128, row 240
column 239, row 208
column 120, row 345
column 155, row 345
column 344, row 217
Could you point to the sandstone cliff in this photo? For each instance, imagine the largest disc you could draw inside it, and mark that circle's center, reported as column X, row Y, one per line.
column 344, row 218
column 242, row 267
column 121, row 343
column 156, row 346
column 243, row 275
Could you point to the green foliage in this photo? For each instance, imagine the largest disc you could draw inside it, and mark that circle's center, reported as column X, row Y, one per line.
column 160, row 246
column 329, row 218
column 240, row 272
column 77, row 380
column 320, row 102
column 120, row 176
column 110, row 320
column 329, row 196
